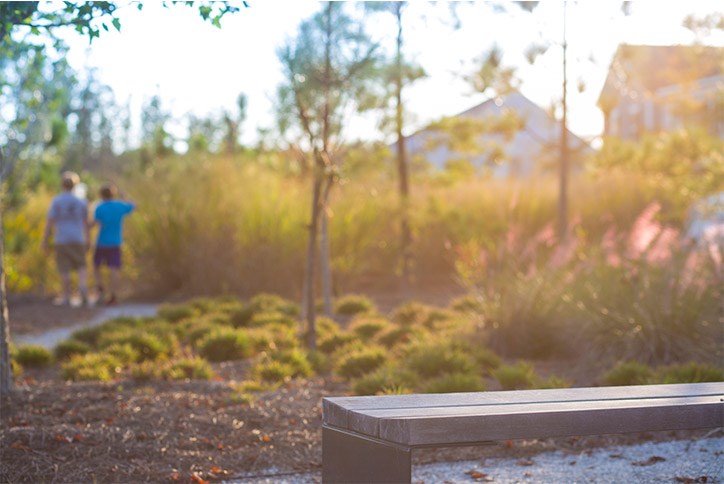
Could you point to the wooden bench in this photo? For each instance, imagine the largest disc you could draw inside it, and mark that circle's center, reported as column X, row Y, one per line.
column 369, row 439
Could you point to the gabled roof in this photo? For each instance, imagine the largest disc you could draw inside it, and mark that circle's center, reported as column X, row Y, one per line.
column 540, row 134
column 646, row 68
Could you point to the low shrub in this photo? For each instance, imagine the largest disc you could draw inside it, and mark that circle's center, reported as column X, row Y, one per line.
column 274, row 371
column 437, row 318
column 555, row 382
column 430, row 359
column 325, row 327
column 467, row 304
column 265, row 302
column 628, row 373
column 91, row 367
column 147, row 371
column 367, row 327
column 33, row 356
column 124, row 353
column 410, row 313
column 689, row 373
column 148, row 346
column 297, row 360
column 454, row 382
column 189, row 369
column 395, row 335
column 320, row 362
column 195, row 330
column 174, row 313
column 267, row 318
column 486, row 359
column 360, row 361
column 69, row 347
column 353, row 304
column 226, row 344
column 333, row 342
column 516, row 377
column 384, row 380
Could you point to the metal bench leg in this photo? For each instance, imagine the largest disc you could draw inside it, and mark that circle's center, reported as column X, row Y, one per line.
column 350, row 458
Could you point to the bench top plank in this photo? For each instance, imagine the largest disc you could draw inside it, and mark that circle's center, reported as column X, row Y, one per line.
column 439, row 419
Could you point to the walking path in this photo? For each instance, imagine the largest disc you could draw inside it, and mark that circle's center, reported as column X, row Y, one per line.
column 51, row 338
column 683, row 461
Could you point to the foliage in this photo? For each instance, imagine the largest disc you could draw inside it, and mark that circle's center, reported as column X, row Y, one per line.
column 628, row 373
column 297, row 360
column 69, row 347
column 274, row 371
column 176, row 312
column 34, row 356
column 516, row 377
column 353, row 304
column 367, row 328
column 226, row 344
column 410, row 313
column 359, row 361
column 454, row 382
column 429, row 359
column 386, row 379
column 691, row 372
column 189, row 369
column 91, row 366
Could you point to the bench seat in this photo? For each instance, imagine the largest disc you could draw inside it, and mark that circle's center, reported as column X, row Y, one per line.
column 376, row 428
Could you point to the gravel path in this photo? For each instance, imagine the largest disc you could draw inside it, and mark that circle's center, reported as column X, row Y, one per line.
column 683, row 461
column 52, row 337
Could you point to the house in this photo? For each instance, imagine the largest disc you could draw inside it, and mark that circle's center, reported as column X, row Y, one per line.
column 659, row 88
column 531, row 148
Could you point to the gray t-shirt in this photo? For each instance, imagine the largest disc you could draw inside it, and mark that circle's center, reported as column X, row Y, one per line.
column 69, row 214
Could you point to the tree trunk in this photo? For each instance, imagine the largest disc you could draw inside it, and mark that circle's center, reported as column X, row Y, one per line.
column 6, row 373
column 308, row 299
column 563, row 188
column 402, row 166
column 324, row 256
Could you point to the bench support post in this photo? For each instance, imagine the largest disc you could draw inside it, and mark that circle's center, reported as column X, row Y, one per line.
column 347, row 457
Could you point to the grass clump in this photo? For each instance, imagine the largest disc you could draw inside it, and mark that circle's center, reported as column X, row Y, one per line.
column 430, row 359
column 467, row 304
column 359, row 361
column 174, row 313
column 149, row 346
column 69, row 347
column 516, row 377
column 273, row 371
column 226, row 344
column 454, row 382
column 147, row 371
column 268, row 318
column 333, row 342
column 353, row 304
column 367, row 328
column 628, row 373
column 410, row 313
column 395, row 335
column 91, row 367
column 384, row 380
column 33, row 356
column 689, row 373
column 189, row 369
column 297, row 360
column 486, row 359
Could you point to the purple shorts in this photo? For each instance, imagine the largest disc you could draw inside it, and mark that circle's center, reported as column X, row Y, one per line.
column 110, row 256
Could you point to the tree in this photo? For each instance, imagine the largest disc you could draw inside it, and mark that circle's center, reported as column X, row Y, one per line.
column 326, row 67
column 87, row 18
column 233, row 124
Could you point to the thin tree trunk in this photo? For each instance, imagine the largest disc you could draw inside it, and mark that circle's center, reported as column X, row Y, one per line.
column 402, row 166
column 324, row 256
column 6, row 373
column 311, row 265
column 563, row 188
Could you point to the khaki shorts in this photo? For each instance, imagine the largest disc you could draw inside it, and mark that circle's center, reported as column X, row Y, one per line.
column 70, row 257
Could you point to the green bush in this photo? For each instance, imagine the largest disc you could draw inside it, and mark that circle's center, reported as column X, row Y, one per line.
column 515, row 377
column 267, row 318
column 69, row 347
column 320, row 362
column 189, row 369
column 91, row 366
column 360, row 361
column 193, row 331
column 147, row 371
column 384, row 380
column 410, row 313
column 274, row 371
column 454, row 382
column 486, row 359
column 226, row 344
column 429, row 359
column 367, row 327
column 395, row 335
column 124, row 353
column 174, row 313
column 333, row 342
column 33, row 356
column 265, row 302
column 437, row 318
column 148, row 346
column 628, row 373
column 352, row 304
column 296, row 359
column 555, row 382
column 467, row 304
column 689, row 373
column 325, row 327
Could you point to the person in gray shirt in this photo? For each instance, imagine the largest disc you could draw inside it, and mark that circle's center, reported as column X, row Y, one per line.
column 68, row 218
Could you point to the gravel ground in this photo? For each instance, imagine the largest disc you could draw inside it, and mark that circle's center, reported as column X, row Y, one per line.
column 684, row 461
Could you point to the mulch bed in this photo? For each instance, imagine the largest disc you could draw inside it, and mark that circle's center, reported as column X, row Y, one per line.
column 194, row 431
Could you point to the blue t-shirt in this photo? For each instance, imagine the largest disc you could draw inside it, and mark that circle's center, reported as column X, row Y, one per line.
column 109, row 214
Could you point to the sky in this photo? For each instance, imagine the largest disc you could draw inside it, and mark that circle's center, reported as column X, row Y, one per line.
column 200, row 69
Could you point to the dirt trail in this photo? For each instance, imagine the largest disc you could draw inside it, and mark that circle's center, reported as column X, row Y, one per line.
column 52, row 337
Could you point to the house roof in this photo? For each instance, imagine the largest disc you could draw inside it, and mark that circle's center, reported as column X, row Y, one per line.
column 644, row 69
column 539, row 135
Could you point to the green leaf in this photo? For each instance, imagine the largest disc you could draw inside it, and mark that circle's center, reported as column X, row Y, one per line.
column 105, row 27
column 117, row 24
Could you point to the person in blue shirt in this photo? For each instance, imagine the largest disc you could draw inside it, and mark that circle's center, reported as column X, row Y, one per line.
column 109, row 215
